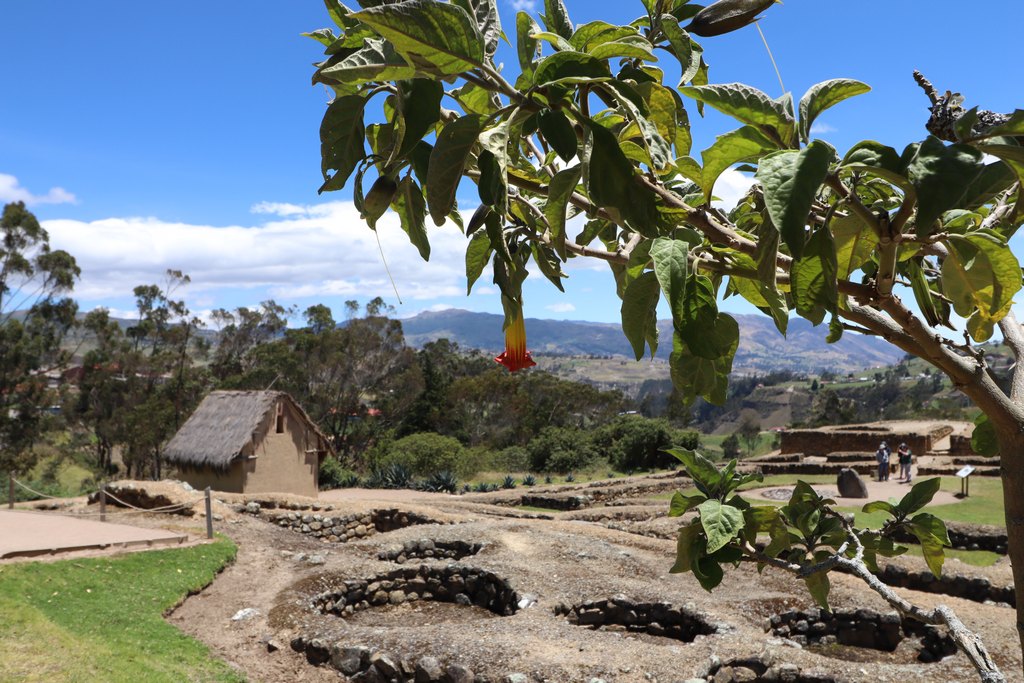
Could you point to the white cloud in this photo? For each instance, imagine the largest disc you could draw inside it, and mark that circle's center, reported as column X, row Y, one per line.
column 485, row 291
column 561, row 307
column 730, row 188
column 818, row 128
column 279, row 209
column 320, row 251
column 523, row 5
column 12, row 191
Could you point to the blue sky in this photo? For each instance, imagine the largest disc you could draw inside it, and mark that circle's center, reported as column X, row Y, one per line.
column 184, row 135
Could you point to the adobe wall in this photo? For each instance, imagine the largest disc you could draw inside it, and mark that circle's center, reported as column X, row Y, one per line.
column 818, row 442
column 230, row 481
column 282, row 463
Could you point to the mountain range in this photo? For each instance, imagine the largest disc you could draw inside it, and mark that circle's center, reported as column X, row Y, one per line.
column 761, row 349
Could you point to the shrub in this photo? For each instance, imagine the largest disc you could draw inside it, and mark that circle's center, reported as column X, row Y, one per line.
column 731, row 447
column 334, row 476
column 425, row 453
column 557, row 449
column 512, row 459
column 569, row 478
column 634, row 442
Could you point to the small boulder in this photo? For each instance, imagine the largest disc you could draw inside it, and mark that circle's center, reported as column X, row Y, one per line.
column 850, row 484
column 428, row 670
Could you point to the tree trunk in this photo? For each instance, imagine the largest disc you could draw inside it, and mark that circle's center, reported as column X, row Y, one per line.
column 1011, row 449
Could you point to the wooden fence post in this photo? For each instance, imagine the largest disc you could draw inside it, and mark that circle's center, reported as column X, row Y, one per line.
column 209, row 514
column 103, row 503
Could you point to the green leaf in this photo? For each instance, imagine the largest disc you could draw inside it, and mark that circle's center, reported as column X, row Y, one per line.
column 983, row 438
column 824, row 95
column 412, row 211
column 447, row 163
column 478, row 253
column 704, row 473
column 721, row 523
column 561, row 188
column 434, row 37
column 932, row 535
column 919, row 496
column 880, row 506
column 745, row 104
column 682, row 46
column 934, row 554
column 570, row 67
column 818, row 585
column 725, row 16
column 634, row 48
column 610, row 180
column 597, row 32
column 694, row 376
column 419, row 104
column 671, row 266
column 813, row 278
column 941, row 175
column 375, row 61
column 640, row 313
column 556, row 18
column 791, row 181
column 493, row 164
column 559, row 133
column 689, row 546
column 485, row 13
column 341, row 140
column 708, row 573
column 878, row 159
column 741, row 145
column 526, row 45
column 980, row 275
column 933, row 314
column 681, row 504
column 993, row 179
column 324, row 36
column 855, row 241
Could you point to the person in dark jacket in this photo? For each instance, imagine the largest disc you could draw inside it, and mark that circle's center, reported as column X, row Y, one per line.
column 882, row 458
column 903, row 453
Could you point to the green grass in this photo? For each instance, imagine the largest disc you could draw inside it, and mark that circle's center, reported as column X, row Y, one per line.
column 102, row 619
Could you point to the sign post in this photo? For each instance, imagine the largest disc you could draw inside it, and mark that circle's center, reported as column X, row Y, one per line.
column 965, row 480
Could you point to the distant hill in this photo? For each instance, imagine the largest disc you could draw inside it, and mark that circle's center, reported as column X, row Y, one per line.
column 762, row 348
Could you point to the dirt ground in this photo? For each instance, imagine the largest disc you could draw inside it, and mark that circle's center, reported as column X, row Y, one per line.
column 566, row 559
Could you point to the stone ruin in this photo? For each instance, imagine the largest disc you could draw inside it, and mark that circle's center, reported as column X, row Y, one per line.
column 426, row 548
column 338, row 528
column 652, row 618
column 861, row 628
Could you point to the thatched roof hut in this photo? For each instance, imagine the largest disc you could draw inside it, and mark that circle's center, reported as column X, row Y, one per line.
column 222, row 443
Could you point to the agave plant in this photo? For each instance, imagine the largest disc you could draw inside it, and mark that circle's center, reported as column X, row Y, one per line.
column 509, row 482
column 529, row 480
column 441, row 482
column 393, row 476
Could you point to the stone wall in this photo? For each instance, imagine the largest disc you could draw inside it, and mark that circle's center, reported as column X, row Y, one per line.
column 453, row 583
column 557, row 502
column 861, row 628
column 653, row 618
column 967, row 537
column 426, row 548
column 338, row 528
column 821, row 442
column 976, row 588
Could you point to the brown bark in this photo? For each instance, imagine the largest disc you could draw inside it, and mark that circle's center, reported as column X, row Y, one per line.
column 1011, row 450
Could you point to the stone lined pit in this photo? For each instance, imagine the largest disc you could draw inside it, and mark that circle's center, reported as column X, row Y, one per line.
column 337, row 528
column 653, row 618
column 861, row 628
column 426, row 548
column 454, row 583
column 976, row 588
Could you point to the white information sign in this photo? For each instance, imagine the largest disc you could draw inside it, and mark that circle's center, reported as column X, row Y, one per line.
column 965, row 472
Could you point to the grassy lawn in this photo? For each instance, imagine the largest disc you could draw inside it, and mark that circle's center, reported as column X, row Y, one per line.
column 102, row 619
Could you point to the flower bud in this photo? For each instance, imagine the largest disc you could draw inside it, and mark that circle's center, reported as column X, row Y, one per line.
column 726, row 15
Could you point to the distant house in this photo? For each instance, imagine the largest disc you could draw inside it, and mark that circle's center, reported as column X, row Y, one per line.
column 249, row 442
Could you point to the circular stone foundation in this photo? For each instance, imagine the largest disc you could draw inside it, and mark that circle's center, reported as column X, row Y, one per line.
column 653, row 618
column 830, row 632
column 453, row 583
column 427, row 549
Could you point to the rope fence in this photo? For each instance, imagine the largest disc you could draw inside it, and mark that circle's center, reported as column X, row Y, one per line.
column 104, row 494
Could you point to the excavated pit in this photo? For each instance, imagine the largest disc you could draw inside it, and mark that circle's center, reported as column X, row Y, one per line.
column 429, row 549
column 342, row 529
column 653, row 618
column 461, row 585
column 851, row 634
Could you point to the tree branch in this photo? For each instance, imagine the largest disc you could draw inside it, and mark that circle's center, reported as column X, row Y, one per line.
column 1013, row 335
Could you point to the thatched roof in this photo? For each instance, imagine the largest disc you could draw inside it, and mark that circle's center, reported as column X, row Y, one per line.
column 224, row 424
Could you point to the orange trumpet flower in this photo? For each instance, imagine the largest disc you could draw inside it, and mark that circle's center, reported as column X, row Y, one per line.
column 515, row 356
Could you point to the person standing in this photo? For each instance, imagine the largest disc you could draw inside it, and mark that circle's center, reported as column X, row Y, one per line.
column 882, row 458
column 903, row 452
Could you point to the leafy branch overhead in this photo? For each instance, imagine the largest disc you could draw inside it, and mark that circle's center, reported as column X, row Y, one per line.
column 587, row 152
